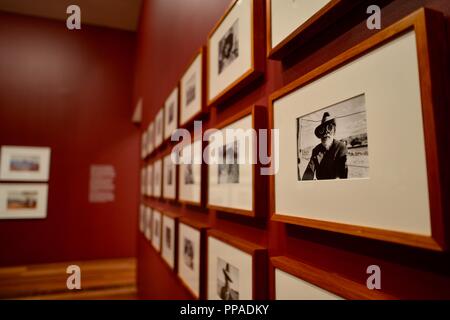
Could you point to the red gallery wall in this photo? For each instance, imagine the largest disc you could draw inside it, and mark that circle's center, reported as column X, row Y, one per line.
column 71, row 91
column 170, row 32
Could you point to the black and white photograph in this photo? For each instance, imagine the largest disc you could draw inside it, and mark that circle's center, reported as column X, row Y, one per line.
column 169, row 175
column 227, row 280
column 189, row 174
column 171, row 112
column 188, row 253
column 228, row 168
column 168, row 237
column 190, row 89
column 332, row 143
column 229, row 47
column 156, row 227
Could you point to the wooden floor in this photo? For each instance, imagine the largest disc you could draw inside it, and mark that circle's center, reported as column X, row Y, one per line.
column 100, row 279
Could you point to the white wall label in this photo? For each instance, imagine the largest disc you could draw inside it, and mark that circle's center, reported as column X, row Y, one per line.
column 101, row 184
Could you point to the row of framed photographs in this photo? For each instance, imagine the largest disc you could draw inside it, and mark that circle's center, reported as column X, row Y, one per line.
column 214, row 265
column 378, row 107
column 234, row 57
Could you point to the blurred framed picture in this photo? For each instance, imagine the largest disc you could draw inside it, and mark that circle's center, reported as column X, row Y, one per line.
column 234, row 177
column 290, row 24
column 142, row 218
column 23, row 201
column 159, row 128
column 169, row 240
column 295, row 280
column 148, row 223
column 149, row 180
column 191, row 247
column 171, row 113
column 237, row 268
column 143, row 181
column 192, row 94
column 235, row 52
column 190, row 173
column 346, row 132
column 170, row 178
column 157, row 178
column 150, row 141
column 156, row 232
column 24, row 163
column 144, row 143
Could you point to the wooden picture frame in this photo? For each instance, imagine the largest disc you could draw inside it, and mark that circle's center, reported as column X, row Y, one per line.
column 259, row 182
column 229, row 245
column 428, row 29
column 200, row 168
column 319, row 279
column 199, row 281
column 171, row 109
column 243, row 77
column 156, row 229
column 170, row 257
column 319, row 20
column 169, row 192
column 199, row 104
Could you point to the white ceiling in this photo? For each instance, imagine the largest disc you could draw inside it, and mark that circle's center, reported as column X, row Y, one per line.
column 118, row 14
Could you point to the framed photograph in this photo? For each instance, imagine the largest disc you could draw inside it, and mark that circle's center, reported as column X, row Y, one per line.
column 346, row 132
column 142, row 218
column 143, row 181
column 144, row 145
column 169, row 238
column 290, row 24
column 191, row 264
column 192, row 94
column 156, row 233
column 149, row 177
column 234, row 177
column 295, row 280
column 171, row 113
column 157, row 178
column 190, row 174
column 237, row 269
column 150, row 138
column 159, row 128
column 23, row 201
column 170, row 178
column 148, row 223
column 24, row 163
column 236, row 50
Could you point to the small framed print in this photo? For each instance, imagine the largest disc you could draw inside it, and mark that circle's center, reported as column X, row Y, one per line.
column 290, row 24
column 171, row 113
column 159, row 128
column 148, row 223
column 295, row 280
column 170, row 178
column 191, row 264
column 144, row 144
column 143, row 181
column 236, row 49
column 157, row 178
column 156, row 232
column 149, row 176
column 352, row 131
column 169, row 238
column 190, row 173
column 237, row 269
column 150, row 138
column 192, row 94
column 234, row 177
column 142, row 218
column 24, row 163
column 23, row 201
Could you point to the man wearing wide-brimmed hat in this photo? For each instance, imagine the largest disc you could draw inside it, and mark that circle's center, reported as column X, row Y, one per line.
column 329, row 158
column 225, row 292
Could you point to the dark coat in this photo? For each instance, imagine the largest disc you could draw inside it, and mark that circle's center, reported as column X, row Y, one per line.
column 333, row 164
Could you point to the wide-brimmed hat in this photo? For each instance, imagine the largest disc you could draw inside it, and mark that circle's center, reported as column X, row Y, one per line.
column 326, row 119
